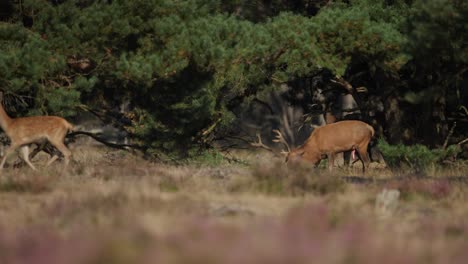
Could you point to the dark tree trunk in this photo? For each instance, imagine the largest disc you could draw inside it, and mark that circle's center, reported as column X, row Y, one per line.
column 394, row 120
column 434, row 126
column 440, row 120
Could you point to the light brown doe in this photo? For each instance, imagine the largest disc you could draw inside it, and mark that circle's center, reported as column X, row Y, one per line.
column 24, row 131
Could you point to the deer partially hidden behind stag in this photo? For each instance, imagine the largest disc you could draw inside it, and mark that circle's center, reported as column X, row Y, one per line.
column 23, row 131
column 328, row 140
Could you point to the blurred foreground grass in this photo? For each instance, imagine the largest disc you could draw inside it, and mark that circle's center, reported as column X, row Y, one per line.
column 110, row 207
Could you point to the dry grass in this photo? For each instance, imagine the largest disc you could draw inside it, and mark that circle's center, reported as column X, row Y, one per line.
column 110, row 207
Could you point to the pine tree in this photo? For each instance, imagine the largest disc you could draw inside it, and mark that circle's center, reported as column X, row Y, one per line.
column 185, row 66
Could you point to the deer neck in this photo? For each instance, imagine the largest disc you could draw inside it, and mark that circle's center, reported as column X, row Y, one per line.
column 5, row 120
column 312, row 156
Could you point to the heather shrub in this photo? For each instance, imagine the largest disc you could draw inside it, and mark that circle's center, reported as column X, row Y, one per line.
column 32, row 183
column 88, row 209
column 431, row 189
column 109, row 211
column 302, row 179
column 168, row 184
column 304, row 235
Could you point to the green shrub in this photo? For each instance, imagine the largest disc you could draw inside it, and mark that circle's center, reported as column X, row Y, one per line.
column 415, row 157
column 210, row 157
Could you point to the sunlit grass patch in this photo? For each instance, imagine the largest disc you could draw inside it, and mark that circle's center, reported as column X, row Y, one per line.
column 129, row 210
column 30, row 182
column 277, row 179
column 168, row 184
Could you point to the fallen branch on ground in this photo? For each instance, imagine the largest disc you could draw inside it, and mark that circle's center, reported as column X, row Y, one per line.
column 107, row 143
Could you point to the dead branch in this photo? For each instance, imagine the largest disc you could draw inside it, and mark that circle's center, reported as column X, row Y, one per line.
column 264, row 104
column 444, row 146
column 105, row 116
column 465, row 110
column 210, row 129
column 287, row 118
column 342, row 82
column 11, row 100
column 105, row 142
column 462, row 142
column 361, row 89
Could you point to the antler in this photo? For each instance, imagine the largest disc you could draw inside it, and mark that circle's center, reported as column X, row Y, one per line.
column 280, row 139
column 260, row 144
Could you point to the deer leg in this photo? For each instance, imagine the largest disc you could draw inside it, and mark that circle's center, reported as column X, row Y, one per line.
column 362, row 151
column 331, row 161
column 8, row 151
column 52, row 159
column 25, row 152
column 347, row 158
column 53, row 156
column 36, row 150
column 62, row 148
column 39, row 148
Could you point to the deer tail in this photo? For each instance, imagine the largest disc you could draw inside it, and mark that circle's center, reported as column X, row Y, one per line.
column 69, row 126
column 371, row 130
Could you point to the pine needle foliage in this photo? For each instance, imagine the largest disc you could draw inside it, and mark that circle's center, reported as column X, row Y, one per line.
column 185, row 65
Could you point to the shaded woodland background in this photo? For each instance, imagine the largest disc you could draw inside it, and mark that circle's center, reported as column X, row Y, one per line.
column 180, row 76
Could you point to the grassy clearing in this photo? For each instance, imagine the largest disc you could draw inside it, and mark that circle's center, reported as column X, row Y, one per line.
column 110, row 207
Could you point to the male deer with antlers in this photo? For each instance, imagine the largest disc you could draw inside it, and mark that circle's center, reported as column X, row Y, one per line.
column 24, row 131
column 334, row 138
column 327, row 141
